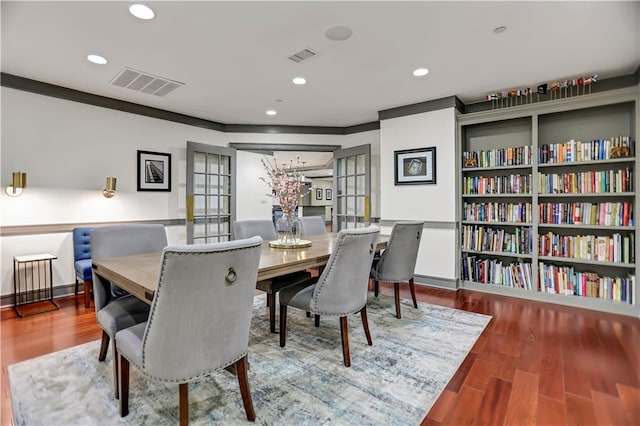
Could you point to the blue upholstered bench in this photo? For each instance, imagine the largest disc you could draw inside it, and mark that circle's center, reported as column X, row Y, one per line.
column 82, row 261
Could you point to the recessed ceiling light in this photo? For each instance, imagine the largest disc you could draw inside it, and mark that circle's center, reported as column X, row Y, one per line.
column 271, row 112
column 299, row 80
column 141, row 11
column 420, row 72
column 500, row 29
column 338, row 33
column 96, row 59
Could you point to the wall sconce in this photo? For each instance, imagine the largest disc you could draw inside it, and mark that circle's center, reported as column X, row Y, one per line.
column 110, row 188
column 18, row 184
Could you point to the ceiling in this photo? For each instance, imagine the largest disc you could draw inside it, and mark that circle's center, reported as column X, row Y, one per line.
column 233, row 57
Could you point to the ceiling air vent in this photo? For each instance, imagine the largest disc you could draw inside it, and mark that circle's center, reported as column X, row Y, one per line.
column 144, row 82
column 302, row 55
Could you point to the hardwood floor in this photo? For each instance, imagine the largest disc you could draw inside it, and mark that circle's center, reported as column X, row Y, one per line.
column 535, row 364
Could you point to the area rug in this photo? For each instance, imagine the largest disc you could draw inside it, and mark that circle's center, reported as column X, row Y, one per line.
column 393, row 382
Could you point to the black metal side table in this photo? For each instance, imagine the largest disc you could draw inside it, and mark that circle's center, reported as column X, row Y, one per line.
column 33, row 282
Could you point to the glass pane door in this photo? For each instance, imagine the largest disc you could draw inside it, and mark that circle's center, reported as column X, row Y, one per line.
column 210, row 193
column 352, row 186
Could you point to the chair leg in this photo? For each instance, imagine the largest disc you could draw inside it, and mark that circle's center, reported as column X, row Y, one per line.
column 317, row 320
column 308, row 314
column 104, row 346
column 376, row 288
column 412, row 288
column 241, row 369
column 271, row 302
column 123, row 383
column 75, row 291
column 365, row 325
column 283, row 325
column 87, row 293
column 396, row 290
column 116, row 391
column 344, row 333
column 183, row 390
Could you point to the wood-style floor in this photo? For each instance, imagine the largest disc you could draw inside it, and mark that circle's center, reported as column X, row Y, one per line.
column 535, row 364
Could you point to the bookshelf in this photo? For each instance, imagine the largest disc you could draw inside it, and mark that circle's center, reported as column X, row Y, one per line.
column 547, row 207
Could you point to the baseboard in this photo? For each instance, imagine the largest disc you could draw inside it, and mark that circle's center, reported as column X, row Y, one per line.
column 426, row 280
column 58, row 291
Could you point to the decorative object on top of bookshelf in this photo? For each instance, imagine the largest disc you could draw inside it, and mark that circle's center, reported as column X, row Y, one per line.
column 556, row 90
column 415, row 166
column 154, row 171
column 318, row 193
column 328, row 194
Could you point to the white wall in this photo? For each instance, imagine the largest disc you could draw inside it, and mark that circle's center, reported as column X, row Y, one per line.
column 252, row 201
column 431, row 203
column 68, row 149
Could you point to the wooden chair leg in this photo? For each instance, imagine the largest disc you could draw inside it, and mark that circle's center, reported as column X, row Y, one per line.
column 412, row 288
column 317, row 320
column 365, row 325
column 75, row 290
column 344, row 333
column 243, row 381
column 116, row 371
column 183, row 390
column 271, row 302
column 87, row 293
column 308, row 314
column 283, row 325
column 376, row 287
column 123, row 383
column 104, row 346
column 396, row 290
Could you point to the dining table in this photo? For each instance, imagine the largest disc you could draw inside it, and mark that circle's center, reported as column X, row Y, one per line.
column 138, row 274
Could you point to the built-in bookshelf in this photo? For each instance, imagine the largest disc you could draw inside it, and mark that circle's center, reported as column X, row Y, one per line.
column 548, row 199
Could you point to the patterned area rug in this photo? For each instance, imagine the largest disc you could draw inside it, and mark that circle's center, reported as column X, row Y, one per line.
column 393, row 382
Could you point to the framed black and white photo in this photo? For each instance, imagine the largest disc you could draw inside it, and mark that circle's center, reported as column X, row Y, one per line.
column 328, row 195
column 318, row 193
column 154, row 171
column 415, row 166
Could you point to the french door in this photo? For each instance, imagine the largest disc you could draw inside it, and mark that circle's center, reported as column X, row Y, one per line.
column 352, row 186
column 211, row 188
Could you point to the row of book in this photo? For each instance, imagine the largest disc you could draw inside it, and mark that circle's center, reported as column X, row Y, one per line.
column 597, row 149
column 497, row 212
column 481, row 238
column 604, row 214
column 602, row 181
column 609, row 248
column 493, row 271
column 512, row 156
column 565, row 280
column 510, row 184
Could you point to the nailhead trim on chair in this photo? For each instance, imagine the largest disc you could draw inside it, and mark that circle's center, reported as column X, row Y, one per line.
column 151, row 316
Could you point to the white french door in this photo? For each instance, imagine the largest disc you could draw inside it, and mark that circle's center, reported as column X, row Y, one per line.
column 352, row 186
column 211, row 188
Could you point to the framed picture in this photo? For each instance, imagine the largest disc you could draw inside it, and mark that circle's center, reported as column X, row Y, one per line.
column 328, row 195
column 154, row 171
column 415, row 166
column 318, row 193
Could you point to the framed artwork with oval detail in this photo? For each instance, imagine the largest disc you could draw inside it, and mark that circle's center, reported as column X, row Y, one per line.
column 415, row 166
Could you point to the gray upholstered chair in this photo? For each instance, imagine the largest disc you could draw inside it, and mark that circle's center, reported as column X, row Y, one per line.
column 267, row 231
column 115, row 309
column 341, row 289
column 312, row 225
column 199, row 320
column 398, row 260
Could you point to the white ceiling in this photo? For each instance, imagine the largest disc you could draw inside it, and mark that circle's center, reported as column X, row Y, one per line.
column 233, row 56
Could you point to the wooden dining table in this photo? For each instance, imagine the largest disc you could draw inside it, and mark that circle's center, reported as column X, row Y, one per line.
column 138, row 274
